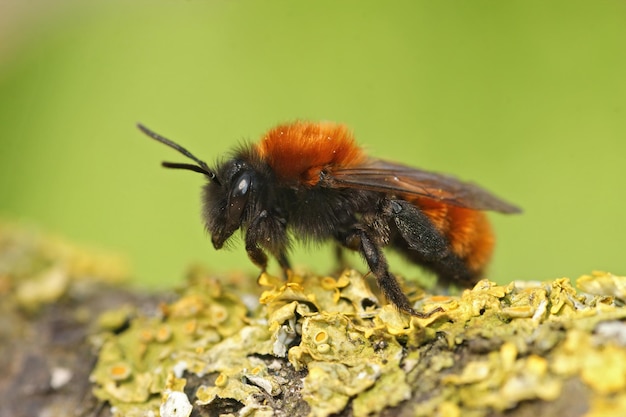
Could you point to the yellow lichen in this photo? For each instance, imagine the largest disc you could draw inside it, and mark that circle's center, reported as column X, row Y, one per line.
column 163, row 334
column 527, row 338
column 603, row 284
column 221, row 380
column 320, row 337
column 119, row 371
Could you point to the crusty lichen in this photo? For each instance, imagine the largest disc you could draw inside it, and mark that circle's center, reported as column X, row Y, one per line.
column 491, row 348
column 38, row 269
column 320, row 345
column 51, row 292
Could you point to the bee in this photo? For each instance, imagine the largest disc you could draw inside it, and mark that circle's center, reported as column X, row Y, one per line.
column 311, row 181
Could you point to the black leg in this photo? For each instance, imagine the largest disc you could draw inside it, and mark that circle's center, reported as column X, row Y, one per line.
column 386, row 281
column 418, row 231
column 283, row 261
column 271, row 233
column 255, row 253
column 340, row 258
column 422, row 243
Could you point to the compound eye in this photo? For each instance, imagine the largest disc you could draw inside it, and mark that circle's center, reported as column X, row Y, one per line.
column 239, row 196
column 242, row 186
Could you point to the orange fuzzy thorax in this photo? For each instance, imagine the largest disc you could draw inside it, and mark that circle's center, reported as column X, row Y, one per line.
column 299, row 151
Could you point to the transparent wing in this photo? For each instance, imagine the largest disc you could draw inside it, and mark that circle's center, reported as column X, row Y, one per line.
column 390, row 177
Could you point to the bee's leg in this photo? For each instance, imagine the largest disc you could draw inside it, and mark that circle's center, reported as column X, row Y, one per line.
column 340, row 258
column 271, row 232
column 425, row 245
column 418, row 231
column 276, row 230
column 283, row 261
column 253, row 236
column 377, row 263
column 255, row 253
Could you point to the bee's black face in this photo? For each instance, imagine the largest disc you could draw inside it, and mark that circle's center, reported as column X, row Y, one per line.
column 226, row 202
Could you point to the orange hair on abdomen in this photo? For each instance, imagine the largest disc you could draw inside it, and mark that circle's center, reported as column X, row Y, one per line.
column 468, row 231
column 299, row 151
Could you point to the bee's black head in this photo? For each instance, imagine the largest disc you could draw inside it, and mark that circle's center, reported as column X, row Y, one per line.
column 226, row 196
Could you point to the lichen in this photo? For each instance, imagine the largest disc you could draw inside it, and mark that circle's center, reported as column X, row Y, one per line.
column 38, row 269
column 321, row 345
column 490, row 349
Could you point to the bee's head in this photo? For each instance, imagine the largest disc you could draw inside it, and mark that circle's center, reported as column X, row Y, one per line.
column 226, row 196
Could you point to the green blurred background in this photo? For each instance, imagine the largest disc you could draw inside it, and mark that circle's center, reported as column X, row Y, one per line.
column 527, row 98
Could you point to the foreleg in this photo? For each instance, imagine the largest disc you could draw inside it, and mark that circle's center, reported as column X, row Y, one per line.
column 269, row 233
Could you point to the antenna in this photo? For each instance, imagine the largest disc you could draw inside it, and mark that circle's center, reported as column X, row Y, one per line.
column 202, row 167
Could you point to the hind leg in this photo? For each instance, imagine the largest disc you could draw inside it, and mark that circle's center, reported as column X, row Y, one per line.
column 388, row 284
